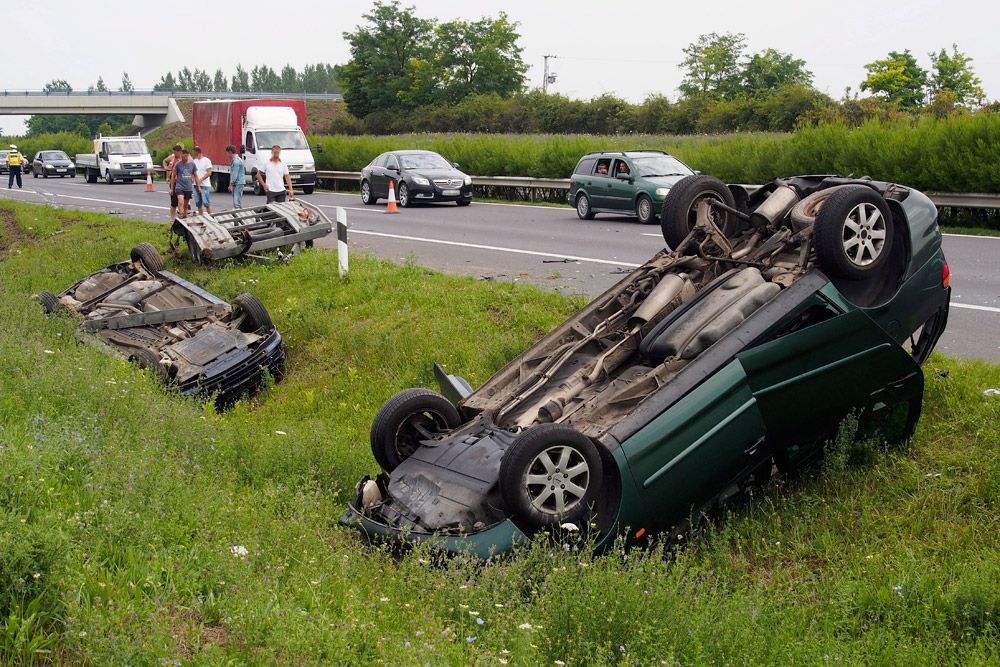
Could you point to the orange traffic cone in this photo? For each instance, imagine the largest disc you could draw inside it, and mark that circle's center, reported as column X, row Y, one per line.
column 149, row 179
column 391, row 206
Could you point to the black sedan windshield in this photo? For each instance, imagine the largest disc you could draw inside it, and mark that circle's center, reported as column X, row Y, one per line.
column 54, row 155
column 424, row 161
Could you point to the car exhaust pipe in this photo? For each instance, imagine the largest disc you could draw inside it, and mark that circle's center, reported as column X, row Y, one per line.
column 659, row 298
column 775, row 207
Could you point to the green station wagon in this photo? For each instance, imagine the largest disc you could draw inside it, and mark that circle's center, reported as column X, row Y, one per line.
column 777, row 313
column 625, row 182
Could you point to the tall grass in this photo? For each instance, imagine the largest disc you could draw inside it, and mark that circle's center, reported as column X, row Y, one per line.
column 131, row 503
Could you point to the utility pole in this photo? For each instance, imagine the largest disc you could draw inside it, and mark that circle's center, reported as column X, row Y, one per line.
column 547, row 78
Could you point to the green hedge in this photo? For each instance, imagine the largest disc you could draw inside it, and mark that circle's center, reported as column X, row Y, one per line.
column 957, row 154
column 62, row 141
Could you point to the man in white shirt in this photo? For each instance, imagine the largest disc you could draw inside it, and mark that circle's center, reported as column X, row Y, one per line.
column 202, row 181
column 275, row 177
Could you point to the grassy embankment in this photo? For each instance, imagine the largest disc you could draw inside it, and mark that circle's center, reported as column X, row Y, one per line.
column 123, row 507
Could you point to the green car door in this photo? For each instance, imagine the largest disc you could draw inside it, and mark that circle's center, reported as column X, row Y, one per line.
column 684, row 456
column 621, row 195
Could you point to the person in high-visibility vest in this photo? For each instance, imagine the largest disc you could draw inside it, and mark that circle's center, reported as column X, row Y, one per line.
column 14, row 162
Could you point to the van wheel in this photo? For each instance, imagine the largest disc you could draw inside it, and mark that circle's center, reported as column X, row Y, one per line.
column 583, row 210
column 108, row 177
column 853, row 233
column 308, row 189
column 406, row 419
column 549, row 475
column 91, row 175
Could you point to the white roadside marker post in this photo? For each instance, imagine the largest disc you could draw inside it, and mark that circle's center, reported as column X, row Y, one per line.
column 341, row 241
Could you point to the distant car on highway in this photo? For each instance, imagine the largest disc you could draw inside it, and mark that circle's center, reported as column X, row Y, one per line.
column 625, row 182
column 52, row 163
column 419, row 176
column 3, row 162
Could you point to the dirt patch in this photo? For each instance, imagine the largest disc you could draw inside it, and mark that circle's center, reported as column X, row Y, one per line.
column 10, row 231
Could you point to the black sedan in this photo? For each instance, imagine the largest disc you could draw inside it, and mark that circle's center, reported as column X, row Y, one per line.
column 52, row 163
column 418, row 176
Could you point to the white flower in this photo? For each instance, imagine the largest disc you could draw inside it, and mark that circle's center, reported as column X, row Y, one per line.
column 524, row 626
column 280, row 433
column 239, row 551
column 49, row 352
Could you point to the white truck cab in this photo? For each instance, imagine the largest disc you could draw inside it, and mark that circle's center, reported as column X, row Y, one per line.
column 264, row 127
column 116, row 158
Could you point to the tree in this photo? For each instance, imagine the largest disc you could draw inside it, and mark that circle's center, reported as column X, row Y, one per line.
column 166, row 82
column 99, row 87
column 382, row 57
column 219, row 82
column 954, row 75
column 289, row 80
column 263, row 79
column 126, row 86
column 200, row 81
column 713, row 66
column 58, row 86
column 770, row 70
column 83, row 130
column 478, row 58
column 240, row 81
column 898, row 78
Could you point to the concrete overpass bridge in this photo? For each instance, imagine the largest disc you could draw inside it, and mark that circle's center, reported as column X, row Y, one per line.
column 150, row 108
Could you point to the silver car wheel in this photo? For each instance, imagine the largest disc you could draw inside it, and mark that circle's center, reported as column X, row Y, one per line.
column 645, row 211
column 864, row 234
column 557, row 480
column 366, row 192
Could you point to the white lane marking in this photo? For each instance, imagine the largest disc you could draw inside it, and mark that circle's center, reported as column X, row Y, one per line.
column 112, row 201
column 988, row 309
column 972, row 236
column 477, row 246
column 352, row 208
column 648, row 234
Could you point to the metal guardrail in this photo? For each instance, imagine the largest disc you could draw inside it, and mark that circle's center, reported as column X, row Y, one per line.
column 955, row 199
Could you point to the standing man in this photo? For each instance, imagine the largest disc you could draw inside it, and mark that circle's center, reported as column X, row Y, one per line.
column 202, row 181
column 237, row 176
column 168, row 168
column 272, row 181
column 14, row 162
column 184, row 175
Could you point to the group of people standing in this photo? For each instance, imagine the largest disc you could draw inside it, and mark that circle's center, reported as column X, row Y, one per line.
column 189, row 175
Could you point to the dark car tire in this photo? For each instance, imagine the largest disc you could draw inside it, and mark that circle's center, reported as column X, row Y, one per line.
column 528, row 466
column 407, row 418
column 404, row 195
column 73, row 175
column 367, row 196
column 147, row 360
column 308, row 189
column 463, row 202
column 833, row 234
column 256, row 317
column 34, row 173
column 146, row 254
column 49, row 301
column 583, row 209
column 109, row 178
column 644, row 210
column 679, row 208
column 930, row 332
column 91, row 175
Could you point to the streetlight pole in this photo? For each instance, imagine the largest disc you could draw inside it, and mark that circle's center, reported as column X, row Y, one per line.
column 546, row 77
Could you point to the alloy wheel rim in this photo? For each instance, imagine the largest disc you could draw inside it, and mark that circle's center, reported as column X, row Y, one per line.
column 582, row 205
column 365, row 191
column 644, row 209
column 864, row 234
column 557, row 480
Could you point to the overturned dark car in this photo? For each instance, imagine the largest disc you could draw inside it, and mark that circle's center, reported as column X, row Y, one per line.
column 188, row 337
column 778, row 312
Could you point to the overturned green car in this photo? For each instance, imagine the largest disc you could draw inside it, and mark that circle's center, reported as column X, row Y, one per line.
column 772, row 314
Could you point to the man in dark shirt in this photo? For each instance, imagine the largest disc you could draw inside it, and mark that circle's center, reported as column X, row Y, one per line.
column 184, row 170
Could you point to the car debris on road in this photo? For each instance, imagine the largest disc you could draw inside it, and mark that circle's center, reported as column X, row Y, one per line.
column 777, row 313
column 186, row 336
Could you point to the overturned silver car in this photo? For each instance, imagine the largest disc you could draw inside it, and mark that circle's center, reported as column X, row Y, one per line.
column 247, row 231
column 188, row 337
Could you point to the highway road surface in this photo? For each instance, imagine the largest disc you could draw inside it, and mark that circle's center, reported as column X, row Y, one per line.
column 545, row 246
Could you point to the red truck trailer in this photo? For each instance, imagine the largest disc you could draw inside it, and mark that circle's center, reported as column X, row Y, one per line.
column 253, row 126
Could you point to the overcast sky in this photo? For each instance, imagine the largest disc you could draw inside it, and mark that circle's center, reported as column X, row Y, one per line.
column 628, row 48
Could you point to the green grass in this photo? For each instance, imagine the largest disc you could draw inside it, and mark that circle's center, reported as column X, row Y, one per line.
column 122, row 504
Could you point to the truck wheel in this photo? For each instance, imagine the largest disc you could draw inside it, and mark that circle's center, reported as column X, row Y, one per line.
column 255, row 317
column 308, row 189
column 853, row 233
column 681, row 205
column 146, row 254
column 108, row 177
column 405, row 420
column 49, row 301
column 549, row 475
column 91, row 175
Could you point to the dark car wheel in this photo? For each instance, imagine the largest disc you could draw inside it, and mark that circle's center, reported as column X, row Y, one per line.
column 308, row 189
column 464, row 202
column 644, row 210
column 853, row 233
column 49, row 301
column 404, row 195
column 405, row 420
column 147, row 360
column 681, row 206
column 367, row 197
column 583, row 210
column 255, row 316
column 923, row 341
column 146, row 254
column 549, row 475
column 34, row 173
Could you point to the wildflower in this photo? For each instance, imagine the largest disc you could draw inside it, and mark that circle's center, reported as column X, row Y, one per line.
column 479, row 621
column 49, row 352
column 469, row 640
column 383, row 599
column 280, row 433
column 899, row 590
column 524, row 626
column 239, row 551
column 502, row 661
column 559, row 662
column 36, row 575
